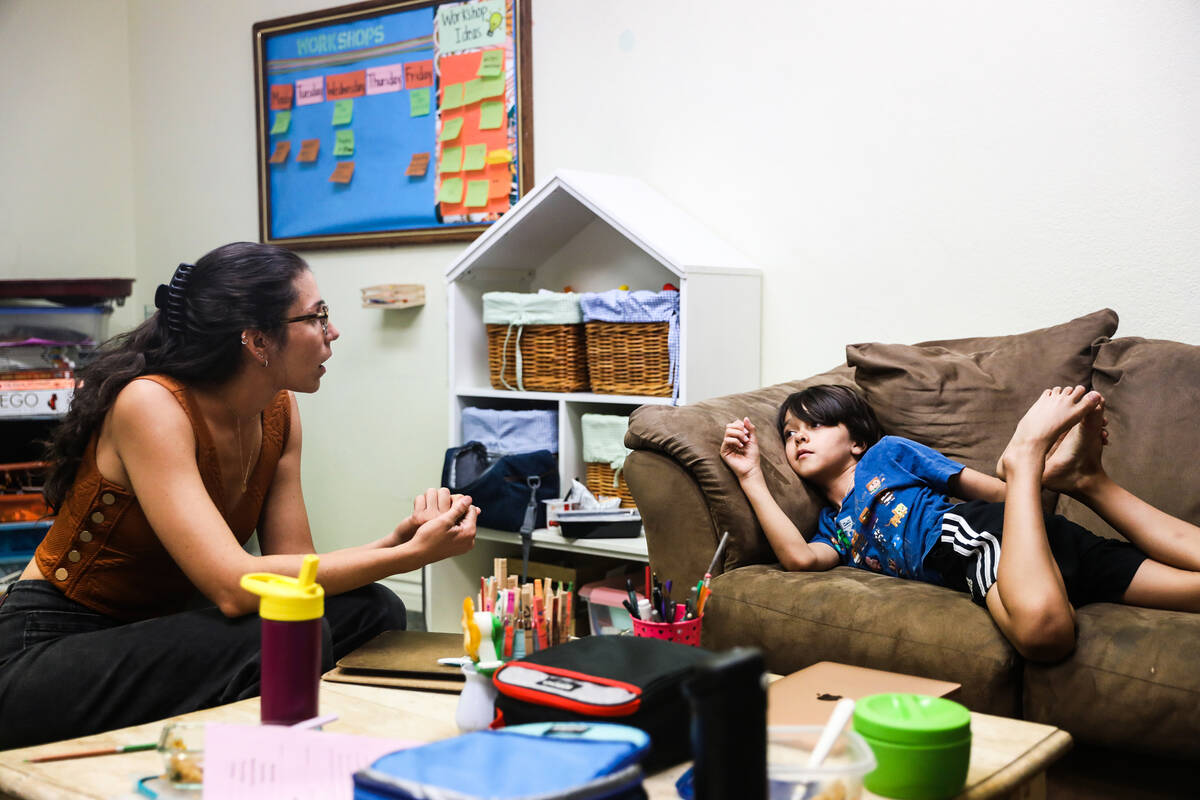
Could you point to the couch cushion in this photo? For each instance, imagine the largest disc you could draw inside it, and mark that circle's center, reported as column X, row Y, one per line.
column 857, row 617
column 692, row 435
column 963, row 397
column 1133, row 681
column 1152, row 394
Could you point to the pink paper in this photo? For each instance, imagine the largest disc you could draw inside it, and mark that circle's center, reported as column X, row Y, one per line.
column 310, row 90
column 388, row 78
column 259, row 762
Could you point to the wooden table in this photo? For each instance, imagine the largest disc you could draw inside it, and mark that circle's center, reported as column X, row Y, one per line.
column 1008, row 757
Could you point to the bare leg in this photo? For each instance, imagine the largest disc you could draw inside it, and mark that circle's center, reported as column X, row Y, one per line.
column 1167, row 539
column 1029, row 601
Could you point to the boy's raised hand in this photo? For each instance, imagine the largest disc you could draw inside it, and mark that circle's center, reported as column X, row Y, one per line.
column 739, row 448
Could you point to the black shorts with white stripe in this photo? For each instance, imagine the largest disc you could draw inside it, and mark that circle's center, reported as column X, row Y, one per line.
column 1094, row 569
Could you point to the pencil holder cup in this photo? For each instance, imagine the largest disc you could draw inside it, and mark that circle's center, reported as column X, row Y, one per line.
column 684, row 631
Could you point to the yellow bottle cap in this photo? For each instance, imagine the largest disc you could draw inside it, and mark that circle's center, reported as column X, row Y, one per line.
column 287, row 599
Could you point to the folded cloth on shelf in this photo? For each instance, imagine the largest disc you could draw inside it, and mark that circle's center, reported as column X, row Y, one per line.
column 604, row 440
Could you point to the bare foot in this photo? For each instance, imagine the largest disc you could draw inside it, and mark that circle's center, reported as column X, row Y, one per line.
column 1046, row 427
column 1076, row 457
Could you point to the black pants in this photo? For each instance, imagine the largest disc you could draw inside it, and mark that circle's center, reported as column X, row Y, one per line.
column 67, row 671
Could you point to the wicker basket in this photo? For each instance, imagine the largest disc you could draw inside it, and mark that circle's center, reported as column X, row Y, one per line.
column 553, row 357
column 599, row 481
column 629, row 358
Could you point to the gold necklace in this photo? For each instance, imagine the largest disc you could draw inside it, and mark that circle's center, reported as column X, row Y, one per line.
column 241, row 455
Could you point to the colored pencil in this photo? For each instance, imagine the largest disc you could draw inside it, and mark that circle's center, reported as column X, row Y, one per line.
column 100, row 751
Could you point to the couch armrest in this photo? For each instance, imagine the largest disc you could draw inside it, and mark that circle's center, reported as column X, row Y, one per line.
column 690, row 436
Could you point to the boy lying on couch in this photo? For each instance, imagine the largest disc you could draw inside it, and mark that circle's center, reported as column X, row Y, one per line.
column 889, row 510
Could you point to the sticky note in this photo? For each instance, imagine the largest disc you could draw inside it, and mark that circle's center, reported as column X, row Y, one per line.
column 475, row 156
column 343, row 143
column 418, row 102
column 343, row 112
column 472, row 91
column 452, row 96
column 491, row 63
column 309, row 149
column 491, row 115
column 418, row 166
column 343, row 172
column 499, row 185
column 451, row 191
column 477, row 194
column 418, row 74
column 501, row 156
column 491, row 87
column 310, row 90
column 451, row 160
column 451, row 128
column 281, row 96
column 283, row 120
column 281, row 152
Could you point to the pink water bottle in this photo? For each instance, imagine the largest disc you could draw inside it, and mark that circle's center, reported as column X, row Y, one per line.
column 291, row 611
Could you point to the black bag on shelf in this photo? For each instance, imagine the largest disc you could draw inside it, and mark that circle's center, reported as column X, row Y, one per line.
column 509, row 490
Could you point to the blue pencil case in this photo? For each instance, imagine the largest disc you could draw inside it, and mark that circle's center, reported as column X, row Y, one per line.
column 550, row 761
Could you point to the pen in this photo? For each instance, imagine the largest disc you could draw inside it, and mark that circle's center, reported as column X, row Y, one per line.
column 100, row 751
column 633, row 601
column 631, row 608
column 716, row 558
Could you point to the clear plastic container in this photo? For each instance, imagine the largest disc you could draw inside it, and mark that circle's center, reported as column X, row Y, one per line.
column 839, row 777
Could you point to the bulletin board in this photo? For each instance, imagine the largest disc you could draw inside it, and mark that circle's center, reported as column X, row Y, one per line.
column 392, row 122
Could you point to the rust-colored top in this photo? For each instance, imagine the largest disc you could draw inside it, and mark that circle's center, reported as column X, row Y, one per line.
column 102, row 552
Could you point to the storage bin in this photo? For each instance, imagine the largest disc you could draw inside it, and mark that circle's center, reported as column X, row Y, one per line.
column 535, row 342
column 606, row 614
column 604, row 455
column 632, row 342
column 83, row 325
column 505, row 432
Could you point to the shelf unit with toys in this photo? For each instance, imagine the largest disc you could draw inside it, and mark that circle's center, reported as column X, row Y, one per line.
column 591, row 232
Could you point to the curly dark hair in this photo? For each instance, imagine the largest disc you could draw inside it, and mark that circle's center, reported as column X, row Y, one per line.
column 830, row 404
column 195, row 337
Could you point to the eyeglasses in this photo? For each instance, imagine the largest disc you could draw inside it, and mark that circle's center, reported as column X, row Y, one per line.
column 321, row 314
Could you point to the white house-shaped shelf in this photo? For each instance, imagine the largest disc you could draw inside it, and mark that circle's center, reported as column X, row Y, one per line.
column 594, row 232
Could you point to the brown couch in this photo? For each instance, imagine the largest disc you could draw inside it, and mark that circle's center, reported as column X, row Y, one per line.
column 1133, row 682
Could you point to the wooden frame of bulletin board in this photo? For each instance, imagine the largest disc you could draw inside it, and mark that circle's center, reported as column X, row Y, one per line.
column 392, row 122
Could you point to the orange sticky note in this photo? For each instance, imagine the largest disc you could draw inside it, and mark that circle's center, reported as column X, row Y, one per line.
column 418, row 74
column 308, row 150
column 281, row 96
column 281, row 152
column 343, row 172
column 347, row 84
column 418, row 166
column 499, row 184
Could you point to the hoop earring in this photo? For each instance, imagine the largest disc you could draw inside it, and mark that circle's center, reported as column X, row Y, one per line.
column 244, row 339
column 264, row 361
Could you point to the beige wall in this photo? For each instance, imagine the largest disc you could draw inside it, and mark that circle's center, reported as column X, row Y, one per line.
column 900, row 171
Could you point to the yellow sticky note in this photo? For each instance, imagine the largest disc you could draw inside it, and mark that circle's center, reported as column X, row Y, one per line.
column 475, row 157
column 477, row 194
column 451, row 160
column 451, row 191
column 451, row 128
column 501, row 156
column 491, row 115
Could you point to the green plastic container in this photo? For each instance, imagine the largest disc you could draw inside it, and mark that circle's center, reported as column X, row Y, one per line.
column 922, row 745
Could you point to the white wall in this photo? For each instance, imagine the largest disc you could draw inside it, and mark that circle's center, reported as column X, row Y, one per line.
column 901, row 171
column 66, row 160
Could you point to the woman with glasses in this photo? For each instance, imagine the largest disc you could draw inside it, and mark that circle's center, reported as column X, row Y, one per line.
column 183, row 440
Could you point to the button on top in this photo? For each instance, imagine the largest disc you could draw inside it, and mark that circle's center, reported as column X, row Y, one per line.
column 60, row 573
column 74, row 556
column 97, row 517
column 108, row 498
column 85, row 536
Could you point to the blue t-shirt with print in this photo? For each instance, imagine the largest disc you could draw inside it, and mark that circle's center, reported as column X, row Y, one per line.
column 893, row 515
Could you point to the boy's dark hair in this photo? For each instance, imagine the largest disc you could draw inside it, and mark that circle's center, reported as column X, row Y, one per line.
column 828, row 404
